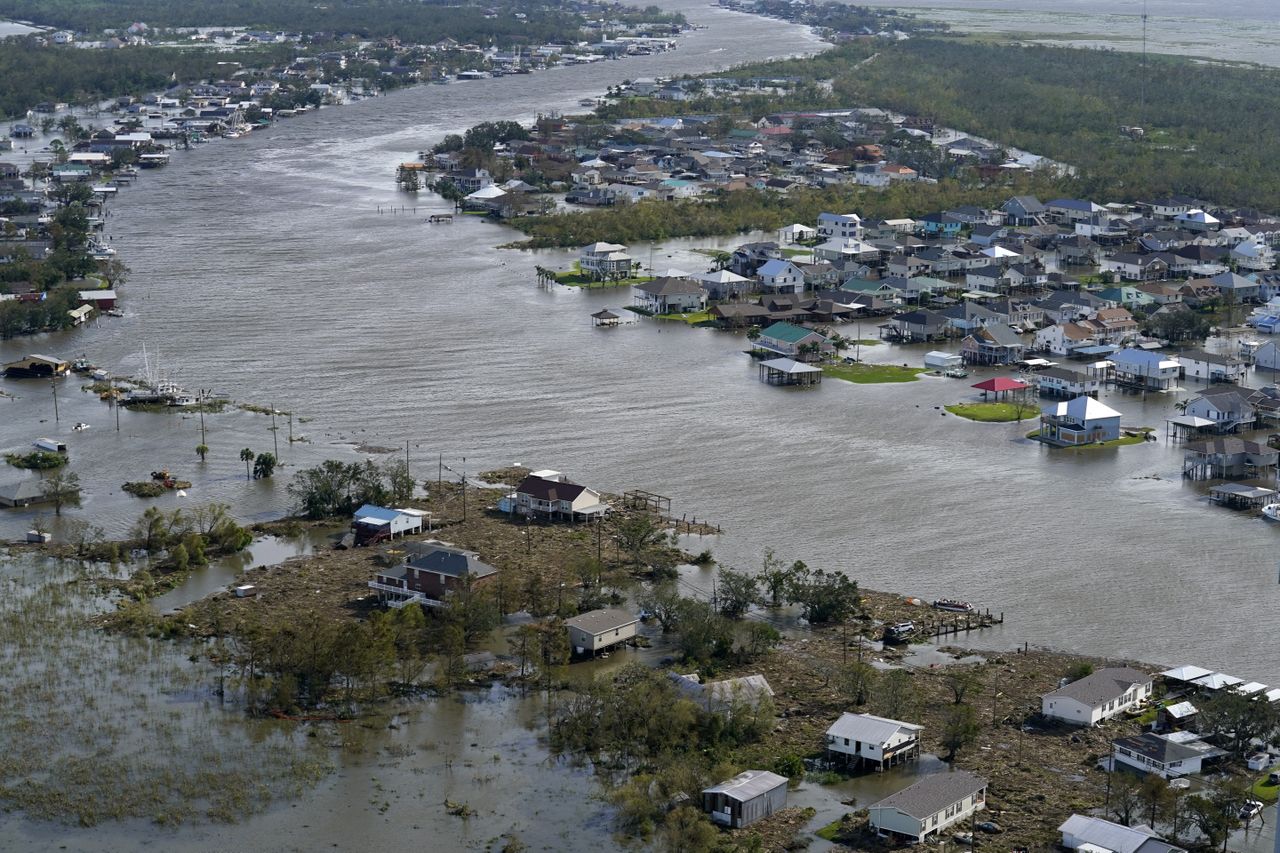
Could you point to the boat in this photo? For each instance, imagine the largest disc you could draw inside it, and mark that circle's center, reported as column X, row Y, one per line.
column 81, row 365
column 113, row 312
column 952, row 605
column 955, row 372
column 80, row 427
column 1271, row 512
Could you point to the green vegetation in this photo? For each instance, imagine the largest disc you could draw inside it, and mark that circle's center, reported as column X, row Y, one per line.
column 872, row 374
column 1137, row 437
column 37, row 460
column 335, row 488
column 693, row 318
column 994, row 412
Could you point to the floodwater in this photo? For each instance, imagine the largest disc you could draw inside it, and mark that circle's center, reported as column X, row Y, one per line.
column 264, row 267
column 1241, row 31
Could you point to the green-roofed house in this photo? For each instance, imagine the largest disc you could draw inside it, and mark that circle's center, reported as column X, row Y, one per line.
column 793, row 341
column 1127, row 296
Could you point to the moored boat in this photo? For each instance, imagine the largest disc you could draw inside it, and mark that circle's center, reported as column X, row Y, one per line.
column 1271, row 512
column 952, row 605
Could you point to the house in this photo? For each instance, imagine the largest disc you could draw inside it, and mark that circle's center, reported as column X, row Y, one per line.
column 375, row 523
column 670, row 295
column 1083, row 420
column 1066, row 382
column 749, row 257
column 1230, row 407
column 429, row 574
column 1236, row 288
column 992, row 344
column 839, row 226
column 1197, row 220
column 939, row 224
column 1145, row 370
column 604, row 260
column 469, row 180
column 24, row 493
column 735, row 315
column 1098, row 696
column 1229, row 458
column 1068, row 211
column 723, row 284
column 597, row 630
column 726, row 696
column 1132, row 267
column 779, row 276
column 868, row 739
column 929, row 806
column 551, row 494
column 1023, row 210
column 916, row 326
column 1095, row 835
column 792, row 341
column 1211, row 367
column 1179, row 716
column 1166, row 755
column 746, row 798
column 1066, row 338
column 847, row 249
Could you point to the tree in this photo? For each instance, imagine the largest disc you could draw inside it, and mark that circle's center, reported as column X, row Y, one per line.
column 638, row 534
column 399, row 480
column 736, row 592
column 61, row 488
column 264, row 466
column 1123, row 795
column 960, row 680
column 857, row 680
column 1237, row 720
column 824, row 597
column 246, row 456
column 1156, row 796
column 202, row 450
column 896, row 695
column 960, row 729
column 687, row 830
column 663, row 601
column 1217, row 815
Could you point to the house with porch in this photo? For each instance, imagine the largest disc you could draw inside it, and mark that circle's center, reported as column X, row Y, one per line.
column 839, row 226
column 1065, row 338
column 918, row 326
column 549, row 494
column 724, row 284
column 1023, row 210
column 1080, row 421
column 926, row 808
column 1060, row 381
column 1229, row 458
column 1212, row 367
column 670, row 295
column 429, row 574
column 779, row 276
column 376, row 523
column 793, row 341
column 992, row 344
column 1230, row 407
column 1165, row 755
column 1132, row 267
column 865, row 739
column 604, row 260
column 1098, row 696
column 1145, row 370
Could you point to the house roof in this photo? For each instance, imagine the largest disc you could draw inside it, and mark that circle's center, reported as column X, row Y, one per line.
column 670, row 286
column 23, row 490
column 599, row 621
column 790, row 366
column 1219, row 680
column 1164, row 749
column 776, row 267
column 453, row 562
column 1228, row 446
column 787, row 332
column 380, row 514
column 1186, row 672
column 1001, row 383
column 1105, row 835
column 1082, row 408
column 549, row 490
column 748, row 785
column 1102, row 686
column 868, row 728
column 1181, row 710
column 933, row 793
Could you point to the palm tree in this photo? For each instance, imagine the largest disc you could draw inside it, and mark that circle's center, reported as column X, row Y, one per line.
column 246, row 456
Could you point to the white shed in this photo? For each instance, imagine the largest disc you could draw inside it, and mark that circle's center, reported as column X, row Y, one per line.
column 938, row 360
column 597, row 630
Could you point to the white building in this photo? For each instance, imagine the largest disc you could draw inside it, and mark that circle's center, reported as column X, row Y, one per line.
column 931, row 805
column 1095, row 835
column 1168, row 756
column 796, row 233
column 866, row 738
column 1097, row 697
column 1148, row 370
column 1212, row 367
column 604, row 260
column 777, row 276
column 840, row 226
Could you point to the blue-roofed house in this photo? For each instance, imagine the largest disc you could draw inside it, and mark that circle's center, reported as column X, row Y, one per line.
column 374, row 523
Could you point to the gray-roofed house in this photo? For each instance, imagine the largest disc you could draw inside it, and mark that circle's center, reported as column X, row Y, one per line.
column 1230, row 407
column 929, row 806
column 597, row 630
column 23, row 493
column 1084, row 832
column 434, row 570
column 670, row 295
column 1198, row 364
column 1228, row 458
column 992, row 344
column 746, row 798
column 868, row 739
column 1097, row 697
column 918, row 326
column 1167, row 756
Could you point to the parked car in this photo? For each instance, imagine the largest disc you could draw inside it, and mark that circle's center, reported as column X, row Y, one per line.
column 1249, row 809
column 963, row 838
column 990, row 827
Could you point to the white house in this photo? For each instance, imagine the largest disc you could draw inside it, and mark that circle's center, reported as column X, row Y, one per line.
column 1098, row 696
column 1065, row 338
column 597, row 630
column 839, row 226
column 1168, row 756
column 1083, row 420
column 796, row 233
column 603, row 260
column 866, row 738
column 1065, row 382
column 1143, row 369
column 670, row 295
column 723, row 284
column 371, row 523
column 845, row 249
column 1093, row 834
column 550, row 493
column 1197, row 220
column 776, row 276
column 1212, row 367
column 931, row 805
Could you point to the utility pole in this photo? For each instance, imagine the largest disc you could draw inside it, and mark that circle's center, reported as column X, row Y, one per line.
column 291, row 429
column 440, row 471
column 464, row 489
column 54, row 386
column 202, row 441
column 275, row 432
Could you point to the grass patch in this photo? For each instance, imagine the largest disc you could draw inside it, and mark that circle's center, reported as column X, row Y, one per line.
column 577, row 278
column 795, row 253
column 1264, row 790
column 830, row 831
column 37, row 460
column 1139, row 437
column 994, row 413
column 692, row 318
column 870, row 374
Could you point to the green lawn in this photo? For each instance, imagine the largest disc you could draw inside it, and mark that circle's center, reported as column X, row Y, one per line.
column 795, row 253
column 692, row 318
column 1123, row 440
column 994, row 413
column 574, row 278
column 868, row 374
column 1264, row 791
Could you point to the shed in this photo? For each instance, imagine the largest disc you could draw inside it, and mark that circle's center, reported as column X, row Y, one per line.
column 597, row 630
column 1238, row 496
column 938, row 360
column 746, row 798
column 787, row 371
column 1001, row 385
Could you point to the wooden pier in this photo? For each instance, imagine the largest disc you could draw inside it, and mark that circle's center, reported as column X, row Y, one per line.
column 961, row 622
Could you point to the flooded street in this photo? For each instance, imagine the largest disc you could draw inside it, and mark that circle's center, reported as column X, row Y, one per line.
column 263, row 267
